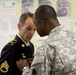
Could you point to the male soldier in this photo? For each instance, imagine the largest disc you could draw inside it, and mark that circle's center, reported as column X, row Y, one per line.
column 19, row 49
column 57, row 55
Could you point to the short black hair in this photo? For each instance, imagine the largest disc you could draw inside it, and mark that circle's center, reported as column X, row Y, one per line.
column 44, row 12
column 24, row 16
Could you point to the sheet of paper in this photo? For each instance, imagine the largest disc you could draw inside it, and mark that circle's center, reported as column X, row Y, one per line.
column 63, row 8
column 13, row 29
column 4, row 26
column 65, row 22
column 8, row 8
column 44, row 2
column 27, row 5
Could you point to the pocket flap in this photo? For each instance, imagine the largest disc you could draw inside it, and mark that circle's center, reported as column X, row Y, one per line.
column 38, row 60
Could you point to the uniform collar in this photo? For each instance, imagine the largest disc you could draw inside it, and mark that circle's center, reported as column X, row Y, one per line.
column 56, row 29
column 26, row 43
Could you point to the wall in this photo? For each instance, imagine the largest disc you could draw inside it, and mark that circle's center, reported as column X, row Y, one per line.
column 10, row 10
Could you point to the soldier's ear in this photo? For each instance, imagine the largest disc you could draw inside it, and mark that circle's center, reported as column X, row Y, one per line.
column 42, row 23
column 19, row 26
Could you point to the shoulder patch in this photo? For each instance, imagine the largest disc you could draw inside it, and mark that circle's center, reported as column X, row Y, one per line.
column 13, row 42
column 4, row 67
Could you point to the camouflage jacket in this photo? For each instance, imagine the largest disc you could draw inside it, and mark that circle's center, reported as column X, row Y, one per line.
column 57, row 55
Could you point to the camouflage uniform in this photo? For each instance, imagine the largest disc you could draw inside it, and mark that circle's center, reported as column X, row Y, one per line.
column 57, row 55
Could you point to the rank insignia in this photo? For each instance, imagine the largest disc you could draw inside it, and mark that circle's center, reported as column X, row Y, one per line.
column 13, row 42
column 4, row 67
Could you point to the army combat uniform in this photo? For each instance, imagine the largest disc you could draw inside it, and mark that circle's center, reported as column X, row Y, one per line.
column 11, row 53
column 57, row 55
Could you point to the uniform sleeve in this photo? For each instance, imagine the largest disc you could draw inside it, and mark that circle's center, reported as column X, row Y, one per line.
column 41, row 64
column 6, row 61
column 37, row 64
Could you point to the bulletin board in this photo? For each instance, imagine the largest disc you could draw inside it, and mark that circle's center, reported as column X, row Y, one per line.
column 10, row 11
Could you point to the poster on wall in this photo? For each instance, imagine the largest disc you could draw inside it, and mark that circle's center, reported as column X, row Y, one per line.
column 65, row 22
column 27, row 6
column 42, row 2
column 4, row 26
column 63, row 8
column 13, row 29
column 8, row 8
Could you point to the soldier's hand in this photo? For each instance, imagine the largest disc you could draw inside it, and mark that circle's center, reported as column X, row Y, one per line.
column 21, row 64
